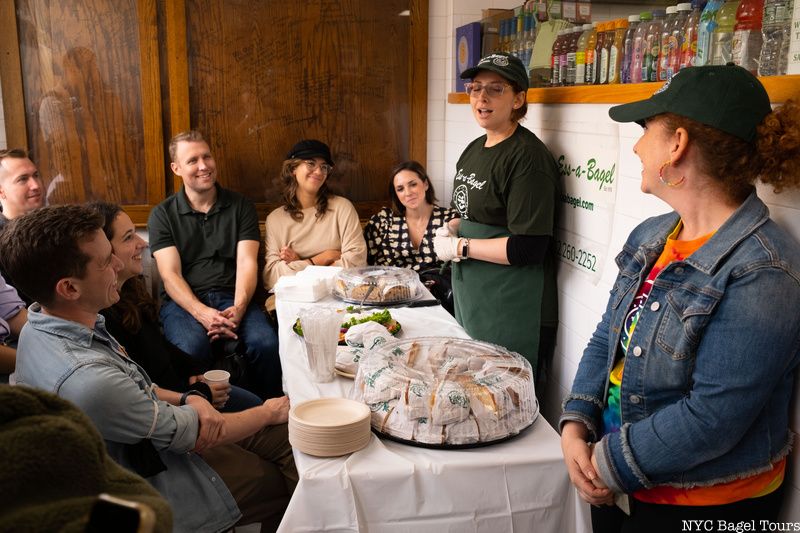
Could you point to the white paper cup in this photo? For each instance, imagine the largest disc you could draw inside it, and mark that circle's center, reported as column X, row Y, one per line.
column 321, row 337
column 217, row 376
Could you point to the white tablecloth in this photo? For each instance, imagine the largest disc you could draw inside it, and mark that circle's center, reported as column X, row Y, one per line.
column 519, row 485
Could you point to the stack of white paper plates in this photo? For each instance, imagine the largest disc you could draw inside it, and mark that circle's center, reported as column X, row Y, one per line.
column 329, row 427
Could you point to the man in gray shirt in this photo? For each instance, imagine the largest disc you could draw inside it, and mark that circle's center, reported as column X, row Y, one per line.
column 12, row 317
column 203, row 462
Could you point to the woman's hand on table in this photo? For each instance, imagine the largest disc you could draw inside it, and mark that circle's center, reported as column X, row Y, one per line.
column 277, row 410
column 581, row 466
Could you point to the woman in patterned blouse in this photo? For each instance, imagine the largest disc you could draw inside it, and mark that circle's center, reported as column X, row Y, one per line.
column 402, row 235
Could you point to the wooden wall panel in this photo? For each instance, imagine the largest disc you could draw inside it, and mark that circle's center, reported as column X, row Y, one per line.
column 264, row 75
column 92, row 106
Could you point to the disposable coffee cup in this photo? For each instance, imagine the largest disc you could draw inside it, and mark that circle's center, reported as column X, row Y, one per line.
column 217, row 376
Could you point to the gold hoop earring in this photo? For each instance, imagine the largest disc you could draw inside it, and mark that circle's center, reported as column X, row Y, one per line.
column 667, row 163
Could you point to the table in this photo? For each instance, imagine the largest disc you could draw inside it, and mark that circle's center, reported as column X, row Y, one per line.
column 519, row 485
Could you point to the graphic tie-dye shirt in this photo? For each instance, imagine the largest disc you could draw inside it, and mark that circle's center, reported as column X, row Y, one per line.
column 751, row 487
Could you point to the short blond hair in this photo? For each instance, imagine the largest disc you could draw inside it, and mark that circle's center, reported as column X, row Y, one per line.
column 184, row 136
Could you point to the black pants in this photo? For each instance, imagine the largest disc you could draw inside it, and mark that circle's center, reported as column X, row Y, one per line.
column 544, row 363
column 656, row 518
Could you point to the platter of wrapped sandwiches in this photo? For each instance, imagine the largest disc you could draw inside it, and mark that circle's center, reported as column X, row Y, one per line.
column 442, row 392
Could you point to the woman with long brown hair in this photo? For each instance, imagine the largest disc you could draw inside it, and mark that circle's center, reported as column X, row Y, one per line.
column 402, row 235
column 133, row 321
column 313, row 226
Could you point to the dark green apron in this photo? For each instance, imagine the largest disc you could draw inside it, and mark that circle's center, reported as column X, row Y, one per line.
column 501, row 304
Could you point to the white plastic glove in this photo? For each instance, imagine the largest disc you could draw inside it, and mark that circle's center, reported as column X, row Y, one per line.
column 446, row 245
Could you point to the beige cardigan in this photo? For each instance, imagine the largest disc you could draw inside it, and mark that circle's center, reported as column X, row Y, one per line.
column 339, row 229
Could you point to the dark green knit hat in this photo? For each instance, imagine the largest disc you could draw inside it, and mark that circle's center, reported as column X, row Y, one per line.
column 728, row 98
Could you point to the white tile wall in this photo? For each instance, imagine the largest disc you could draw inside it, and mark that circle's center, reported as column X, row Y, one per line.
column 581, row 303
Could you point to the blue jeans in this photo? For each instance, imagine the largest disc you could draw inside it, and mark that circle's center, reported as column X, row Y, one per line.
column 240, row 399
column 259, row 338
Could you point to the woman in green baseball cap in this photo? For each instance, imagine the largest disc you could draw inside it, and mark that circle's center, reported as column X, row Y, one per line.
column 679, row 409
column 505, row 192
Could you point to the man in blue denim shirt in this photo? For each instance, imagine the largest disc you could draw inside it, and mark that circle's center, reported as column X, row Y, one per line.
column 72, row 273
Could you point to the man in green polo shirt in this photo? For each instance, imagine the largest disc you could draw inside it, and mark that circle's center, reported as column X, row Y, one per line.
column 205, row 241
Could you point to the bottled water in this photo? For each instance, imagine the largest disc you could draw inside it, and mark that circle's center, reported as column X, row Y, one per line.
column 775, row 31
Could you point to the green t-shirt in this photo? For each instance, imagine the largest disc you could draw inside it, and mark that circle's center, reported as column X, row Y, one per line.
column 513, row 184
column 508, row 189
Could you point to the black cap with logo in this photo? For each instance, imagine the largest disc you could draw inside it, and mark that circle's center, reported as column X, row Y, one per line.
column 508, row 66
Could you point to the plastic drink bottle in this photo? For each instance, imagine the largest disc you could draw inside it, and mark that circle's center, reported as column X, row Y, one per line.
column 605, row 53
column 563, row 62
column 627, row 49
column 637, row 61
column 591, row 60
column 652, row 46
column 776, row 30
column 705, row 30
column 598, row 51
column 747, row 37
column 722, row 38
column 555, row 60
column 689, row 43
column 580, row 55
column 676, row 39
column 617, row 49
column 666, row 31
column 572, row 53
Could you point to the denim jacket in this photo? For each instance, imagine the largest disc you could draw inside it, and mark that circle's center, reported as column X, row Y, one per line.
column 708, row 377
column 89, row 368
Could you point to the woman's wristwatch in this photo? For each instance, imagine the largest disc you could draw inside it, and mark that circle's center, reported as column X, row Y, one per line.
column 464, row 248
column 191, row 392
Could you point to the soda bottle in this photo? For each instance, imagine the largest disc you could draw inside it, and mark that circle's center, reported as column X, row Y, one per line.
column 747, row 39
column 722, row 38
column 627, row 49
column 617, row 49
column 663, row 53
column 705, row 30
column 639, row 44
column 652, row 46
column 776, row 29
column 591, row 60
column 689, row 43
column 580, row 55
